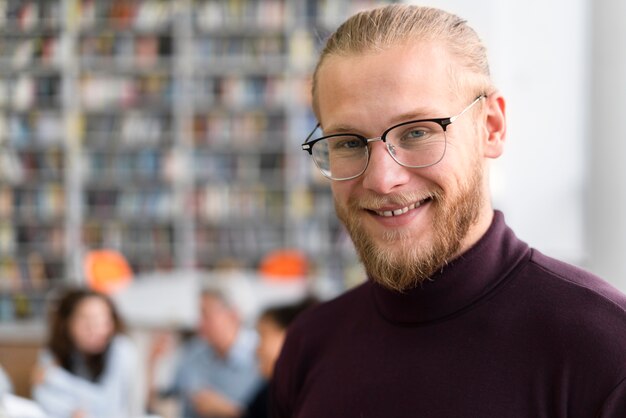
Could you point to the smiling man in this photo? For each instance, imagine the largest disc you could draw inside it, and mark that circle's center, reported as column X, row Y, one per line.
column 458, row 317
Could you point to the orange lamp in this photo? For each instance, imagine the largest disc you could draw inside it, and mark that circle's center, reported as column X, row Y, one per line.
column 284, row 265
column 107, row 271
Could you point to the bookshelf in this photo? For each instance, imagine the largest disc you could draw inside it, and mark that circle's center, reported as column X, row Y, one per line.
column 168, row 130
column 33, row 157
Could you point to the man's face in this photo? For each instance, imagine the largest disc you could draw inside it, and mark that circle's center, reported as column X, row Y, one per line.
column 448, row 206
column 217, row 321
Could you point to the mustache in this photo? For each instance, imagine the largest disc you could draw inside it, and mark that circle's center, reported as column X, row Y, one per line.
column 374, row 201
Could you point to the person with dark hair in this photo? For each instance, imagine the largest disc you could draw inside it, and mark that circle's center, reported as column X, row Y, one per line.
column 88, row 367
column 458, row 317
column 272, row 328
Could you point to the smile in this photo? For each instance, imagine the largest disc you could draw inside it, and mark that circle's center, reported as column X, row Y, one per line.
column 401, row 211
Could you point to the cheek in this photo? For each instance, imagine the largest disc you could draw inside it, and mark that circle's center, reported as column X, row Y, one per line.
column 269, row 349
column 276, row 345
column 91, row 336
column 463, row 149
column 82, row 337
column 76, row 331
column 451, row 171
column 342, row 191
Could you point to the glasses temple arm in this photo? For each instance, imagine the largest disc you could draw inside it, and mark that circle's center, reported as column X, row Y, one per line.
column 481, row 96
column 312, row 132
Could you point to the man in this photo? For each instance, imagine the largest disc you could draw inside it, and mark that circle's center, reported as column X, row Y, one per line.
column 458, row 318
column 218, row 374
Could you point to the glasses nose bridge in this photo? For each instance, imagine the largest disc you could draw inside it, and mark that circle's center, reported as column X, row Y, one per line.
column 390, row 148
column 375, row 139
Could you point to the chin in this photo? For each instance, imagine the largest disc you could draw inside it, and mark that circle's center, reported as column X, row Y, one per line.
column 96, row 348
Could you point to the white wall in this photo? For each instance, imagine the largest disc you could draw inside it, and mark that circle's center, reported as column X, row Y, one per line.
column 606, row 203
column 538, row 53
column 562, row 66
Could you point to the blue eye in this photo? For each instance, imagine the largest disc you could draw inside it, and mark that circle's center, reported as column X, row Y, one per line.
column 347, row 143
column 419, row 132
column 415, row 134
column 351, row 143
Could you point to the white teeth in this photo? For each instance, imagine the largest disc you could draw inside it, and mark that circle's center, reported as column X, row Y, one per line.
column 397, row 212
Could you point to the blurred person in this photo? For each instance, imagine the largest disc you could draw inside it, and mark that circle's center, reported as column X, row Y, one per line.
column 217, row 372
column 87, row 369
column 13, row 406
column 272, row 328
column 458, row 317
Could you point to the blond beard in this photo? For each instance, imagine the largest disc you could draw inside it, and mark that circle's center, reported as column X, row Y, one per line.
column 405, row 262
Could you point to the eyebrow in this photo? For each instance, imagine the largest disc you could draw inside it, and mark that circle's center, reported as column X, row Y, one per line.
column 418, row 114
column 421, row 113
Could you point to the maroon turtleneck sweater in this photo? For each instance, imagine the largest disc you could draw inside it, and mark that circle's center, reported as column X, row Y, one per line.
column 501, row 332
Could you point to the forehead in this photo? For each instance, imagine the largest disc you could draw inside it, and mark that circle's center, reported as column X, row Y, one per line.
column 405, row 78
column 212, row 302
column 92, row 305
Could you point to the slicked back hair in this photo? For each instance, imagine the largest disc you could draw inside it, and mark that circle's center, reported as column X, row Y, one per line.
column 381, row 28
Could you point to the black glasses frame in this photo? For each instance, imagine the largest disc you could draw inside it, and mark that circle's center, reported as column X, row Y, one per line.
column 443, row 122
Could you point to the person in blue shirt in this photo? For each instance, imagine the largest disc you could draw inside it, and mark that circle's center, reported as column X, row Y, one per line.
column 217, row 372
column 88, row 367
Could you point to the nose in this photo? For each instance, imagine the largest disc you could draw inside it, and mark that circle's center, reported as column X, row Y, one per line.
column 383, row 173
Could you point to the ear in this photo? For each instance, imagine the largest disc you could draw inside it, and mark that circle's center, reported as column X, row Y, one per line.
column 495, row 125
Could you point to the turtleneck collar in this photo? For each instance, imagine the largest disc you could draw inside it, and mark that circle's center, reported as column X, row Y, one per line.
column 460, row 283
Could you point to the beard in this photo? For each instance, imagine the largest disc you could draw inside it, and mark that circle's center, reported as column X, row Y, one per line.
column 405, row 261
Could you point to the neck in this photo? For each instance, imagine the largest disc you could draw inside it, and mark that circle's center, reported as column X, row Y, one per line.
column 478, row 229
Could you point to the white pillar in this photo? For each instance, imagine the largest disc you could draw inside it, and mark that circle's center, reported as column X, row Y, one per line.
column 606, row 197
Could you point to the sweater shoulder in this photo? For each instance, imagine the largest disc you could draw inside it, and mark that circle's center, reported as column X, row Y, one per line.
column 572, row 280
column 576, row 309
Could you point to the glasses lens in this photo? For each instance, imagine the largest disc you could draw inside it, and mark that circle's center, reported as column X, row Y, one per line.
column 417, row 144
column 340, row 156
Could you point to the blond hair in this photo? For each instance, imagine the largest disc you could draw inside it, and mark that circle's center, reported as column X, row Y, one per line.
column 381, row 28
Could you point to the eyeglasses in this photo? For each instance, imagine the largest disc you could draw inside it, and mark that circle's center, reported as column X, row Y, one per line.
column 413, row 144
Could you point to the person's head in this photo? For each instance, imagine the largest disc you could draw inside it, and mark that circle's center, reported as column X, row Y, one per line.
column 219, row 321
column 417, row 200
column 272, row 328
column 83, row 322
